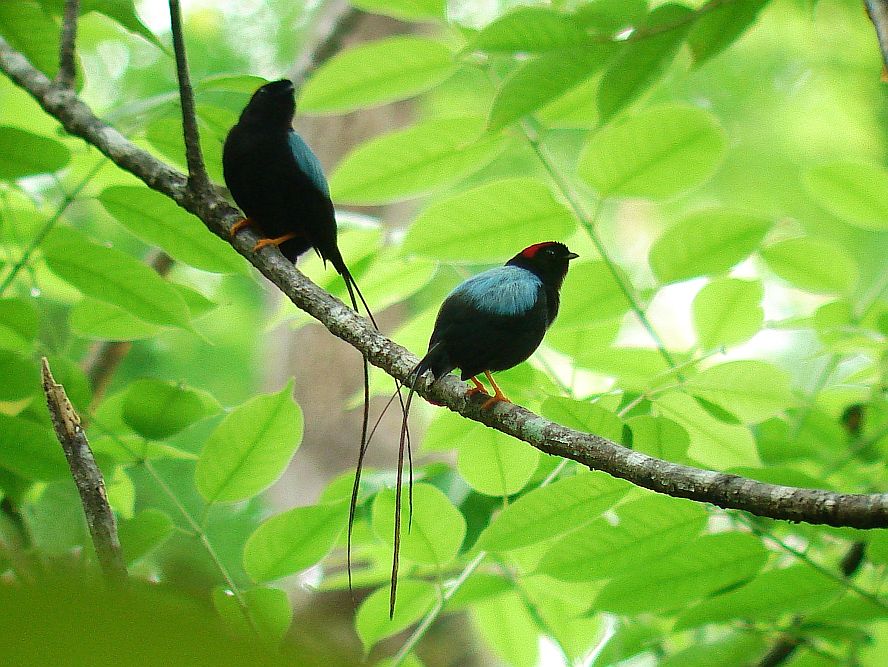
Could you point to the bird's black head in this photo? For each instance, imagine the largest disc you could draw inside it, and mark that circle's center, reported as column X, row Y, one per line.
column 273, row 105
column 547, row 260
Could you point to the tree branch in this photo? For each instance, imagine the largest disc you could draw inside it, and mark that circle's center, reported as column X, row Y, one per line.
column 721, row 489
column 878, row 13
column 87, row 477
column 67, row 44
column 197, row 172
column 336, row 20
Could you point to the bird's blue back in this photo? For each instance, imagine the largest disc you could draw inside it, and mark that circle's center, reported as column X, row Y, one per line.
column 505, row 290
column 308, row 162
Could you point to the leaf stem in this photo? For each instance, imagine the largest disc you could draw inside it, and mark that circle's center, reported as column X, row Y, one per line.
column 588, row 221
column 53, row 220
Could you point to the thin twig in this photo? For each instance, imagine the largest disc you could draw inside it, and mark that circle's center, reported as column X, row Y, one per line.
column 87, row 477
column 722, row 489
column 198, row 180
column 878, row 13
column 67, row 44
column 67, row 200
column 334, row 22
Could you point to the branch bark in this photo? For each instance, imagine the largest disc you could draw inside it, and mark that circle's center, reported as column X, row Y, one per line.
column 87, row 477
column 67, row 44
column 721, row 489
column 198, row 179
column 878, row 13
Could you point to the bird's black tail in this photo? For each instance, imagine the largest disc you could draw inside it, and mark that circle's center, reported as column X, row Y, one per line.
column 352, row 286
column 426, row 363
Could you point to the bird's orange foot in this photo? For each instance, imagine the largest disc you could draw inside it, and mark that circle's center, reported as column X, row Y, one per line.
column 477, row 389
column 275, row 242
column 239, row 225
column 498, row 395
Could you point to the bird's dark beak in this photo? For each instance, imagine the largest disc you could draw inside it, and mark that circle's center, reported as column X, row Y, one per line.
column 572, row 255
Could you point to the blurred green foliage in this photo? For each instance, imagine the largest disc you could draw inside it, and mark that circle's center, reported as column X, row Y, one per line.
column 719, row 166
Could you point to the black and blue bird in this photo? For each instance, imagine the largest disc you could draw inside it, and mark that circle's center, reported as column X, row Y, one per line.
column 488, row 323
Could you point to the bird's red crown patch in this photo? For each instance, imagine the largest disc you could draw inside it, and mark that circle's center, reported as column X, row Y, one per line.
column 531, row 251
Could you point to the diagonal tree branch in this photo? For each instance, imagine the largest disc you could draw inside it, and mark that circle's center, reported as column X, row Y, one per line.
column 878, row 13
column 721, row 489
column 87, row 477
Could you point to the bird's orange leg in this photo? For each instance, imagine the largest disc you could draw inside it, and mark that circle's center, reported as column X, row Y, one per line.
column 477, row 389
column 498, row 395
column 239, row 225
column 267, row 242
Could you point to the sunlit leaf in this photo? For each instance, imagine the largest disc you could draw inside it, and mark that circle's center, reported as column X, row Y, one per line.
column 753, row 390
column 706, row 242
column 372, row 621
column 855, row 192
column 31, row 450
column 410, row 10
column 531, row 29
column 659, row 437
column 507, row 626
column 719, row 27
column 19, row 323
column 91, row 318
column 375, row 73
column 269, row 610
column 728, row 311
column 25, row 154
column 812, row 264
column 657, row 153
column 412, row 162
column 21, row 378
column 144, row 532
column 251, row 448
column 436, row 531
column 494, row 464
column 158, row 409
column 292, row 541
column 492, row 222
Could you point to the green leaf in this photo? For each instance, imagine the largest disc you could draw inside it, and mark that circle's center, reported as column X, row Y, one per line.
column 583, row 416
column 812, row 264
column 113, row 276
column 157, row 220
column 641, row 62
column 375, row 73
column 132, row 449
column 437, row 529
column 21, row 379
column 561, row 507
column 19, row 324
column 31, row 450
column 94, row 319
column 793, row 589
column 505, row 216
column 530, row 30
column 610, row 16
column 124, row 13
column 31, row 31
column 713, row 443
column 146, row 531
column 728, row 311
column 658, row 153
column 293, row 541
column 251, row 448
column 853, row 191
column 413, row 162
column 705, row 243
column 157, row 409
column 372, row 621
column 409, row 10
column 165, row 134
column 494, row 464
column 752, row 390
column 717, row 28
column 508, row 628
column 741, row 648
column 269, row 609
column 591, row 294
column 707, row 564
column 647, row 529
column 659, row 437
column 25, row 154
column 541, row 80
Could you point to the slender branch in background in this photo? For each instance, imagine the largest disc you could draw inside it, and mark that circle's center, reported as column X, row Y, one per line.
column 335, row 20
column 198, row 180
column 531, row 133
column 106, row 357
column 53, row 220
column 87, row 477
column 722, row 489
column 878, row 13
column 67, row 44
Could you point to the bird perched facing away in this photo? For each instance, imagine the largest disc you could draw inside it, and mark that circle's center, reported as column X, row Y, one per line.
column 490, row 322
